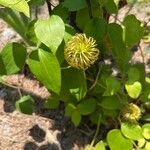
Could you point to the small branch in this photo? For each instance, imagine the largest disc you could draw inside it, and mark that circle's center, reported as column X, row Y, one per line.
column 130, row 8
column 19, row 92
column 49, row 6
column 143, row 58
column 96, row 80
column 116, row 19
column 52, row 4
column 89, row 4
column 72, row 18
column 142, row 55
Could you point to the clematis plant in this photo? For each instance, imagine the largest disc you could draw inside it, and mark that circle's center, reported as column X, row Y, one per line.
column 85, row 61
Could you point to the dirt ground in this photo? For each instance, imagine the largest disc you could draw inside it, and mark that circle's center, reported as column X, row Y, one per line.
column 45, row 129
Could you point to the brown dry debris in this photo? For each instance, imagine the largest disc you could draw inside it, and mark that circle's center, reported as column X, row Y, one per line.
column 16, row 130
column 30, row 86
column 44, row 130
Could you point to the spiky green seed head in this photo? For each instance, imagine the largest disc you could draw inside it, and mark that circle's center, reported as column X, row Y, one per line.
column 81, row 52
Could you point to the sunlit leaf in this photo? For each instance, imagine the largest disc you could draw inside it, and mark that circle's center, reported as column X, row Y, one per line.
column 19, row 5
column 50, row 32
column 12, row 58
column 117, row 141
column 133, row 89
column 45, row 66
column 131, row 131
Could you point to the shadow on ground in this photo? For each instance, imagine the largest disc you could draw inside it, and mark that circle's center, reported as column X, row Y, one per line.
column 68, row 137
column 33, row 146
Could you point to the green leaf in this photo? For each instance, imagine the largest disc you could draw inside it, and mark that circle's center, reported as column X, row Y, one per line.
column 87, row 107
column 146, row 131
column 30, row 33
column 109, row 5
column 147, row 146
column 82, row 16
column 58, row 11
column 19, row 5
column 50, row 32
column 133, row 89
column 95, row 116
column 60, row 53
column 112, row 86
column 145, row 97
column 74, row 5
column 52, row 102
column 36, row 2
column 133, row 32
column 113, row 113
column 117, row 141
column 133, row 74
column 12, row 58
column 94, row 29
column 131, row 131
column 25, row 104
column 76, row 118
column 100, row 146
column 109, row 102
column 69, row 32
column 141, row 71
column 99, row 89
column 69, row 109
column 120, row 52
column 141, row 143
column 45, row 66
column 73, row 83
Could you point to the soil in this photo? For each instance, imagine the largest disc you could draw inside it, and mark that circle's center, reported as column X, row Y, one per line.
column 45, row 129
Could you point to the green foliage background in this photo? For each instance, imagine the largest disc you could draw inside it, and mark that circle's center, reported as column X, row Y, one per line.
column 95, row 92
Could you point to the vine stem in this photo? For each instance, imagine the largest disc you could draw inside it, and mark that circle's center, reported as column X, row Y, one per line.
column 89, row 3
column 96, row 133
column 131, row 6
column 116, row 19
column 143, row 58
column 49, row 7
column 96, row 80
column 15, row 22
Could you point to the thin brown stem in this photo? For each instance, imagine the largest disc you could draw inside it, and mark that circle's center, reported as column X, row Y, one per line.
column 96, row 80
column 49, row 6
column 130, row 8
column 142, row 55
